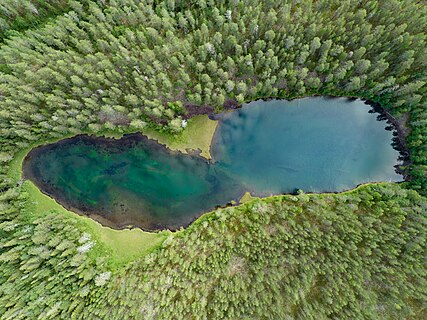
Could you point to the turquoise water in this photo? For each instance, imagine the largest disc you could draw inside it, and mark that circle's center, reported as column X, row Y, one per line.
column 314, row 144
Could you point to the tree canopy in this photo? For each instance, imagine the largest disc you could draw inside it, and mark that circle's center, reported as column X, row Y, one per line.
column 68, row 67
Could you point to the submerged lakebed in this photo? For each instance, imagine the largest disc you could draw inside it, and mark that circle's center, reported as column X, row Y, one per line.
column 271, row 147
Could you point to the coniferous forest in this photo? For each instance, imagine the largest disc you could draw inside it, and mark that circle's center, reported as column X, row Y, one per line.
column 79, row 66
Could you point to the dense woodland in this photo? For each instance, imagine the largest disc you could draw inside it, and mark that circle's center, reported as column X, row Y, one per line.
column 78, row 66
column 19, row 15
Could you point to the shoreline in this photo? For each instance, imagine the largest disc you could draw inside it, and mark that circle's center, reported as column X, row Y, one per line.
column 104, row 222
column 401, row 147
column 398, row 140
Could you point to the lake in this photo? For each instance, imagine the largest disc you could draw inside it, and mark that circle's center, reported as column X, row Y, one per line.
column 271, row 147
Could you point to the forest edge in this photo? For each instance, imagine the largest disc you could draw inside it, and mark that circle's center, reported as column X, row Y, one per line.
column 196, row 140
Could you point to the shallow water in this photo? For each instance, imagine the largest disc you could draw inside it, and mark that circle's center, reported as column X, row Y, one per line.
column 315, row 144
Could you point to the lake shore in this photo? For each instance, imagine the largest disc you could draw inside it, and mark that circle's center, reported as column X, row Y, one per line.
column 397, row 125
column 322, row 181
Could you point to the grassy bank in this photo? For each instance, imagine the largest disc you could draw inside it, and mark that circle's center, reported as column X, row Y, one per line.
column 121, row 246
column 196, row 137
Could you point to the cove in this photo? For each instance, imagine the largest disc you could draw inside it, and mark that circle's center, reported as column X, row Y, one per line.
column 271, row 147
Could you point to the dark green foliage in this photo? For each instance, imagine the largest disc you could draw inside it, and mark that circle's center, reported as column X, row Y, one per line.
column 17, row 16
column 99, row 65
column 43, row 272
column 102, row 66
column 348, row 256
column 295, row 257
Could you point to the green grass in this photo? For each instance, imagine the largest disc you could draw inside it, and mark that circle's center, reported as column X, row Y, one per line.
column 197, row 136
column 121, row 246
column 15, row 166
column 127, row 245
column 247, row 197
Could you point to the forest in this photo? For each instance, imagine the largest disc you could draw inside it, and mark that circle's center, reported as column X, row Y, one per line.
column 111, row 66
